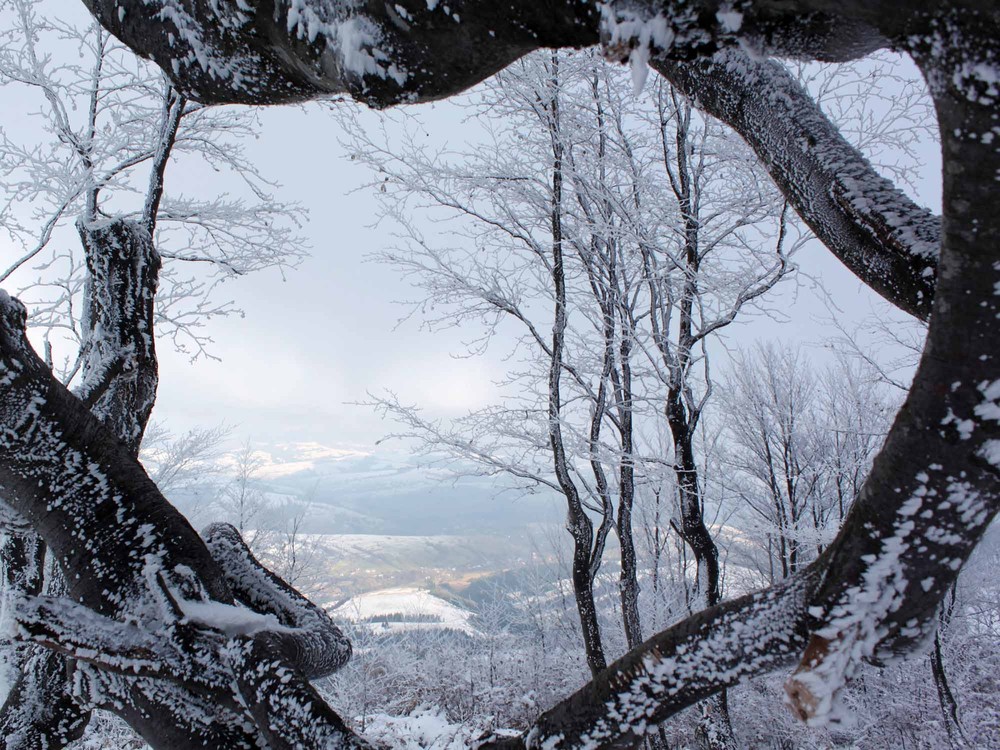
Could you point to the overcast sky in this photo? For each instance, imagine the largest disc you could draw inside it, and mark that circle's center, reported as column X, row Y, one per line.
column 328, row 334
column 314, row 343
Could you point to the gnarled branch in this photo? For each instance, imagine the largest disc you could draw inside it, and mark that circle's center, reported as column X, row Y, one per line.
column 128, row 554
column 311, row 641
column 873, row 228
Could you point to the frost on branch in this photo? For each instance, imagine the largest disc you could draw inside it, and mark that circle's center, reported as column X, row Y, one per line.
column 415, row 51
column 38, row 709
column 876, row 590
column 309, row 638
column 150, row 632
column 877, row 231
column 119, row 374
column 127, row 648
column 883, row 577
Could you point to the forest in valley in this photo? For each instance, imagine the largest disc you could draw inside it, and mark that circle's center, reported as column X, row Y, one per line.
column 731, row 483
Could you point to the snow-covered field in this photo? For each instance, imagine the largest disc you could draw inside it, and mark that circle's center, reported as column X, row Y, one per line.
column 405, row 609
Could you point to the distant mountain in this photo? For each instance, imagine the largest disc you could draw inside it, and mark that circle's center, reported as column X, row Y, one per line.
column 386, row 492
column 387, row 554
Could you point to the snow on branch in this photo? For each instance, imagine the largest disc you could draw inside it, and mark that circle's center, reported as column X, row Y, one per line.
column 121, row 647
column 879, row 233
column 308, row 638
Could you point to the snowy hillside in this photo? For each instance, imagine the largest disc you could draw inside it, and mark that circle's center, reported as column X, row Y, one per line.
column 399, row 609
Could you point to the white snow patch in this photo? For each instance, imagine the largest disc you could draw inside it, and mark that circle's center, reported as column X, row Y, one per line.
column 229, row 619
column 357, row 38
column 990, row 407
column 991, row 452
column 730, row 20
column 415, row 609
column 629, row 31
column 426, row 728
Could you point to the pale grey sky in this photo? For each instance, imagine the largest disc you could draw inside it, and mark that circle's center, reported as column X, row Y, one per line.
column 328, row 332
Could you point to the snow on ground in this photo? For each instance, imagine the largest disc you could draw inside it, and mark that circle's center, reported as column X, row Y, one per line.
column 405, row 609
column 425, row 729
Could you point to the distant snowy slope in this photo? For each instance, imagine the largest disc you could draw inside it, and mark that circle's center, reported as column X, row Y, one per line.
column 399, row 609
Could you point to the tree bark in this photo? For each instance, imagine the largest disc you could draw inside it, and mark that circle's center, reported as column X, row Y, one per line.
column 628, row 580
column 118, row 384
column 118, row 355
column 38, row 713
column 932, row 490
column 281, row 52
column 278, row 51
column 128, row 556
column 874, row 229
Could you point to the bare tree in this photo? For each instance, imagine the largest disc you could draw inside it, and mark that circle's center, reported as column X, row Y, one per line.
column 625, row 236
column 770, row 408
column 855, row 413
column 292, row 553
column 552, row 436
column 241, row 501
column 110, row 126
column 182, row 462
column 800, row 445
column 875, row 590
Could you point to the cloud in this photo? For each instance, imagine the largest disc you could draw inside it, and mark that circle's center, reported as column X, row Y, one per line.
column 287, row 459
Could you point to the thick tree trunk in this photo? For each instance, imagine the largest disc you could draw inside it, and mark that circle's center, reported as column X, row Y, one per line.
column 128, row 556
column 38, row 713
column 118, row 384
column 118, row 355
column 415, row 51
column 119, row 370
column 874, row 229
